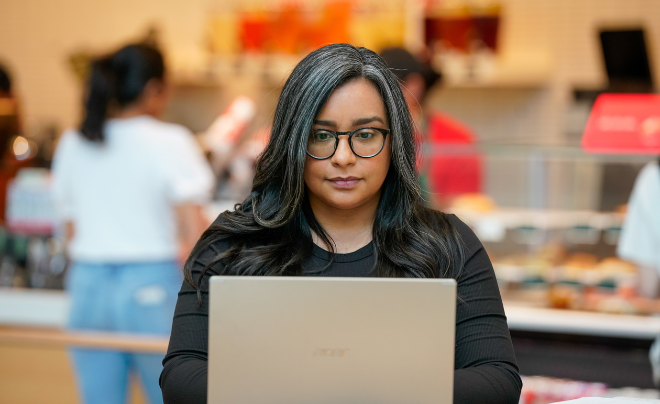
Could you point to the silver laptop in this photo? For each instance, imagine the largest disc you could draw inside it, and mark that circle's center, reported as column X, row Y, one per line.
column 303, row 340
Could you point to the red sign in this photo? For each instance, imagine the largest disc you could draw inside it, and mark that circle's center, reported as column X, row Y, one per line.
column 624, row 124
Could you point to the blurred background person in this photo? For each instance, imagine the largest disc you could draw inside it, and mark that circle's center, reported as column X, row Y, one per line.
column 130, row 189
column 640, row 235
column 640, row 241
column 450, row 166
column 10, row 130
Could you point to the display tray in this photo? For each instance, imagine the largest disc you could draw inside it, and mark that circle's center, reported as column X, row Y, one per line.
column 522, row 316
column 46, row 308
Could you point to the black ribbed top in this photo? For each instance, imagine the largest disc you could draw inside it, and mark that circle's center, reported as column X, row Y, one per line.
column 485, row 366
column 357, row 255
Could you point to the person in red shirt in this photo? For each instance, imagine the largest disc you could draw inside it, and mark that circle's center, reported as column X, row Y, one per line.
column 450, row 165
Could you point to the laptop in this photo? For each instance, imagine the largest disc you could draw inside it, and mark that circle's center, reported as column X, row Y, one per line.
column 308, row 340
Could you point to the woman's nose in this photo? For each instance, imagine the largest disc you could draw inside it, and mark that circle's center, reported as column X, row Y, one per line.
column 343, row 155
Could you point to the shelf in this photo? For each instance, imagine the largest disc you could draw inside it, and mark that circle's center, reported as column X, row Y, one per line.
column 492, row 225
column 488, row 71
column 459, row 72
column 502, row 81
column 542, row 218
column 33, row 307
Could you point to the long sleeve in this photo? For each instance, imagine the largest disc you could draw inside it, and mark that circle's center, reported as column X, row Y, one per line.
column 640, row 235
column 62, row 192
column 485, row 363
column 184, row 376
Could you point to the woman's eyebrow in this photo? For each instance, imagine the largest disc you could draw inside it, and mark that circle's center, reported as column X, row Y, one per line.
column 325, row 123
column 357, row 122
column 364, row 121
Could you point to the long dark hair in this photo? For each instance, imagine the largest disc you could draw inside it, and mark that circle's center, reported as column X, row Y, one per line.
column 270, row 233
column 118, row 80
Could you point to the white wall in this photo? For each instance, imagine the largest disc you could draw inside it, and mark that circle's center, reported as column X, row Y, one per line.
column 564, row 32
column 37, row 35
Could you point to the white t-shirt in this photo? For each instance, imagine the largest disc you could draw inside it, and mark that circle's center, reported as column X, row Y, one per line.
column 640, row 237
column 120, row 194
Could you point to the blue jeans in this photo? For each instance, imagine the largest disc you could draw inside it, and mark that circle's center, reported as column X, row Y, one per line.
column 127, row 298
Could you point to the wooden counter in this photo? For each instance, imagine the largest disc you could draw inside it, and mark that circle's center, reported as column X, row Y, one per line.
column 36, row 368
column 55, row 338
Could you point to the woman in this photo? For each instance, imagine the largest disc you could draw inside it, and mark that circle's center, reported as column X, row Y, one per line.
column 336, row 194
column 130, row 189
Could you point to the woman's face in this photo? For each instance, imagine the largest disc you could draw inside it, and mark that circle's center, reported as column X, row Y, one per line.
column 346, row 181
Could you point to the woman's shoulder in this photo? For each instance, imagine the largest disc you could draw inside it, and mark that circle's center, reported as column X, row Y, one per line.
column 164, row 133
column 221, row 242
column 461, row 227
column 146, row 128
column 649, row 175
column 69, row 144
column 218, row 240
column 442, row 221
column 70, row 137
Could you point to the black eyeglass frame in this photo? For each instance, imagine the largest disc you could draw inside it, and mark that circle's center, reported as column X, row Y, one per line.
column 350, row 134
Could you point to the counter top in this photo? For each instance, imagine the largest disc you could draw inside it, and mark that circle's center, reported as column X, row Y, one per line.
column 102, row 340
column 47, row 308
column 523, row 318
column 33, row 307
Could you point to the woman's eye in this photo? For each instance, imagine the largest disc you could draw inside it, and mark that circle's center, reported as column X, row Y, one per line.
column 322, row 136
column 364, row 135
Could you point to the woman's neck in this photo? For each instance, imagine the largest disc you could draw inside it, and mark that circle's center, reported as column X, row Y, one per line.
column 131, row 113
column 350, row 229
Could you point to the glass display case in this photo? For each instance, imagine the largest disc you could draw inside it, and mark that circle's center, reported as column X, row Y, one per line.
column 550, row 218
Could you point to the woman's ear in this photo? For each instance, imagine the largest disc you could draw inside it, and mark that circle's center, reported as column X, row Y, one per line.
column 155, row 96
column 154, row 87
column 416, row 86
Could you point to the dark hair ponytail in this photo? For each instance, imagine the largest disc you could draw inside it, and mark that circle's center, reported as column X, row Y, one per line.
column 118, row 80
column 100, row 92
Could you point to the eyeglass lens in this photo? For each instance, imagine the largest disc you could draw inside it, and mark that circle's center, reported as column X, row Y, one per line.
column 366, row 142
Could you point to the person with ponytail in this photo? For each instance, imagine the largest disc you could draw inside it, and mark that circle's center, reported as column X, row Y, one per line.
column 336, row 194
column 129, row 189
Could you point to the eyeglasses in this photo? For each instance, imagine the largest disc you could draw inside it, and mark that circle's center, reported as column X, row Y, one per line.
column 364, row 142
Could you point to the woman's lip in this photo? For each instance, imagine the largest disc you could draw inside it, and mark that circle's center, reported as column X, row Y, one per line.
column 344, row 182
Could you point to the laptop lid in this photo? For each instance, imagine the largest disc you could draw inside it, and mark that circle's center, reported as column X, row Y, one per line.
column 308, row 340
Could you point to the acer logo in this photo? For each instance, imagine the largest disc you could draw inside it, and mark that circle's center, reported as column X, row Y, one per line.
column 331, row 352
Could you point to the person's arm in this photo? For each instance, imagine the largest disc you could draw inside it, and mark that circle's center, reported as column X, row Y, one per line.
column 62, row 187
column 184, row 375
column 69, row 233
column 191, row 223
column 485, row 364
column 640, row 235
column 188, row 183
